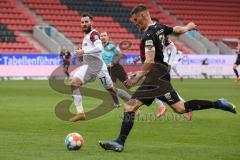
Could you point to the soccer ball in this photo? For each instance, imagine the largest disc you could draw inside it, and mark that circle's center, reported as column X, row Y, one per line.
column 74, row 141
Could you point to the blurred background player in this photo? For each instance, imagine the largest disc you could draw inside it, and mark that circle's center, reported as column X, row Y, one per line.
column 112, row 55
column 204, row 68
column 66, row 57
column 170, row 52
column 93, row 66
column 237, row 63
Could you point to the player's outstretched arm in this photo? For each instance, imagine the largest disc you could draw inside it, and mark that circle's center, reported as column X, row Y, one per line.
column 79, row 51
column 183, row 29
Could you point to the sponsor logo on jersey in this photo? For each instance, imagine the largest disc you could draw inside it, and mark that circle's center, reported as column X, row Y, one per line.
column 149, row 45
column 159, row 32
column 168, row 96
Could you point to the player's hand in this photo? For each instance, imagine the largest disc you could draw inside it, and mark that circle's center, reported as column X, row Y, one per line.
column 80, row 52
column 110, row 65
column 130, row 83
column 191, row 26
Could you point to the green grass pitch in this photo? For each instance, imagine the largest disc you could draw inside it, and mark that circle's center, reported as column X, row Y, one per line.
column 30, row 130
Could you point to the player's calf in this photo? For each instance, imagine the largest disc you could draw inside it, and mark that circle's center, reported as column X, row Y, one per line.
column 179, row 107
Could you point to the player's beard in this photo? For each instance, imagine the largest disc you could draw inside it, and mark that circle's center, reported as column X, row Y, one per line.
column 89, row 28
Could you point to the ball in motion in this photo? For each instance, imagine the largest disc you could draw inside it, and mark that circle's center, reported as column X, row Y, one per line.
column 74, row 141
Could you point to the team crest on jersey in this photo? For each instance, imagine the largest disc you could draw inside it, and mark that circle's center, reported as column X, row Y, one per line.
column 168, row 96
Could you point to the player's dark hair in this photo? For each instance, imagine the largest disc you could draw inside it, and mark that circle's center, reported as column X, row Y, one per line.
column 86, row 14
column 138, row 8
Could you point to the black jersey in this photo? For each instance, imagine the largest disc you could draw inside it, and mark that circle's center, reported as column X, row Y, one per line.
column 238, row 52
column 238, row 58
column 154, row 38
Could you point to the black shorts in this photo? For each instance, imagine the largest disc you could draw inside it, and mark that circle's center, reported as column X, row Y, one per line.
column 237, row 62
column 117, row 72
column 157, row 85
column 66, row 64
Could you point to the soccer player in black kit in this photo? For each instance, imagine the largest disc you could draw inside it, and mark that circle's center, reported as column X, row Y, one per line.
column 237, row 63
column 157, row 82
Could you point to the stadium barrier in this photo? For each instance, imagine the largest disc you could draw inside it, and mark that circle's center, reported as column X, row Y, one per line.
column 35, row 66
column 40, row 35
column 211, row 47
column 224, row 49
column 194, row 44
column 52, row 39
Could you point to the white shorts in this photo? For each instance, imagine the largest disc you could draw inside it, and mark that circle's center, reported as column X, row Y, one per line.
column 87, row 74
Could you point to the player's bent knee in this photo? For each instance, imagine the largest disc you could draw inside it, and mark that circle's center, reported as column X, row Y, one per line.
column 76, row 83
column 112, row 90
column 179, row 107
column 131, row 106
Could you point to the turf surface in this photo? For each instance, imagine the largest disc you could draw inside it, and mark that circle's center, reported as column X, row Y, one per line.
column 30, row 130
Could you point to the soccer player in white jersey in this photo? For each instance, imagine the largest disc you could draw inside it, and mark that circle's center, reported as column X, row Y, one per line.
column 170, row 53
column 93, row 66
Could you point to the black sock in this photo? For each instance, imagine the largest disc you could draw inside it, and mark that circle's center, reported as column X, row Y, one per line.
column 236, row 72
column 67, row 74
column 199, row 105
column 127, row 125
column 115, row 99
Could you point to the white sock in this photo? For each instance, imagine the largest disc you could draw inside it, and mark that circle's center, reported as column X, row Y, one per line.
column 159, row 103
column 123, row 94
column 77, row 99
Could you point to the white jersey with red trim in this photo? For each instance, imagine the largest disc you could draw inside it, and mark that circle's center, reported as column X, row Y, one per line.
column 92, row 46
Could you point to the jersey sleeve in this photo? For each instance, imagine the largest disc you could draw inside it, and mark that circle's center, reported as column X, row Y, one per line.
column 167, row 30
column 94, row 36
column 148, row 43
